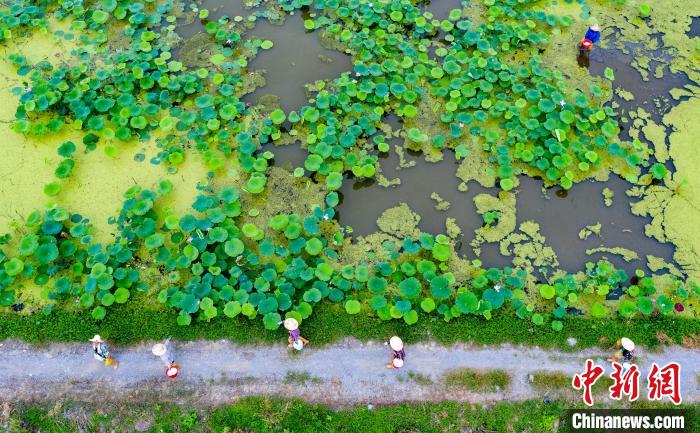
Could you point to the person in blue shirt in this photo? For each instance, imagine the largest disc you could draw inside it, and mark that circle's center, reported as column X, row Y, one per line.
column 592, row 36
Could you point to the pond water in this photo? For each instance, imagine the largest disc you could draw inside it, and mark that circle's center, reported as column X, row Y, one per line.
column 297, row 58
column 441, row 8
column 217, row 9
column 560, row 218
column 646, row 93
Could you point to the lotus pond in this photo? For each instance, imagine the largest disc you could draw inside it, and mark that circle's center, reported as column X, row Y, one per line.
column 406, row 160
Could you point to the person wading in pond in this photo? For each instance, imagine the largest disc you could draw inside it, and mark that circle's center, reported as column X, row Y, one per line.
column 398, row 355
column 625, row 350
column 101, row 352
column 295, row 339
column 591, row 37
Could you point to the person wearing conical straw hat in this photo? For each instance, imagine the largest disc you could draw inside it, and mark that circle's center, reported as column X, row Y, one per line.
column 591, row 37
column 101, row 352
column 624, row 349
column 161, row 350
column 295, row 339
column 398, row 355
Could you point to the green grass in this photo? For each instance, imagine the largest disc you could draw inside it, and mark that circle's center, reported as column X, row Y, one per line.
column 417, row 378
column 476, row 380
column 548, row 381
column 263, row 415
column 129, row 323
column 300, row 378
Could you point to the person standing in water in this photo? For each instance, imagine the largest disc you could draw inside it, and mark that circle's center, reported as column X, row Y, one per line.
column 398, row 356
column 591, row 37
column 101, row 352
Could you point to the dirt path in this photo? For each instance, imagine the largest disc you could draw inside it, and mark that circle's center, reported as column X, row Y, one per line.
column 348, row 373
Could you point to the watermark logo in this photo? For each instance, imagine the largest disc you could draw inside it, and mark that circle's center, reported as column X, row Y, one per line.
column 662, row 382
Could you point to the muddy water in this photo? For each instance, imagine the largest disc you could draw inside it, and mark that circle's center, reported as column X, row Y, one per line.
column 297, row 58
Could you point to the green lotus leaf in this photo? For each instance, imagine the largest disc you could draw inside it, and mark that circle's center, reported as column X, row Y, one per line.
column 467, row 302
column 645, row 305
column 46, row 253
column 312, row 295
column 256, row 183
column 411, row 317
column 410, row 287
column 352, row 306
column 599, row 310
column 334, row 181
column 99, row 313
column 313, row 246
column 377, row 302
column 440, row 287
column 627, row 309
column 107, row 299
column 547, row 291
column 427, row 305
column 377, row 284
column 121, row 295
column 441, row 252
column 271, row 321
column 13, row 267
column 154, row 241
column 659, row 171
column 664, row 304
column 232, row 309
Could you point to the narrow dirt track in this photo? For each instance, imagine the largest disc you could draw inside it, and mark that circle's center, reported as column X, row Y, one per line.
column 345, row 374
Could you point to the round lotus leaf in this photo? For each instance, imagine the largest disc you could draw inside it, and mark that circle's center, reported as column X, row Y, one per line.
column 411, row 317
column 599, row 310
column 352, row 306
column 645, row 305
column 410, row 287
column 440, row 287
column 427, row 305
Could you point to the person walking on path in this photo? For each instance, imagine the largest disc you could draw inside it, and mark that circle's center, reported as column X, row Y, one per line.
column 101, row 352
column 591, row 37
column 162, row 351
column 624, row 349
column 295, row 339
column 398, row 355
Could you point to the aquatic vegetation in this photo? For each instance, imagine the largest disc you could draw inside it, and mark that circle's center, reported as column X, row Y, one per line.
column 483, row 92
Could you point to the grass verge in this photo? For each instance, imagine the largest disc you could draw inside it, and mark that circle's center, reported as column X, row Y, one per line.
column 476, row 380
column 262, row 415
column 558, row 382
column 126, row 324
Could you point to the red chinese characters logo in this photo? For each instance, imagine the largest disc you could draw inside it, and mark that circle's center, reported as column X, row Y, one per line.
column 662, row 382
column 665, row 382
column 586, row 380
column 626, row 382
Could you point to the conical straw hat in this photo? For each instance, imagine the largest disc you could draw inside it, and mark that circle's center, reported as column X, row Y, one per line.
column 396, row 343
